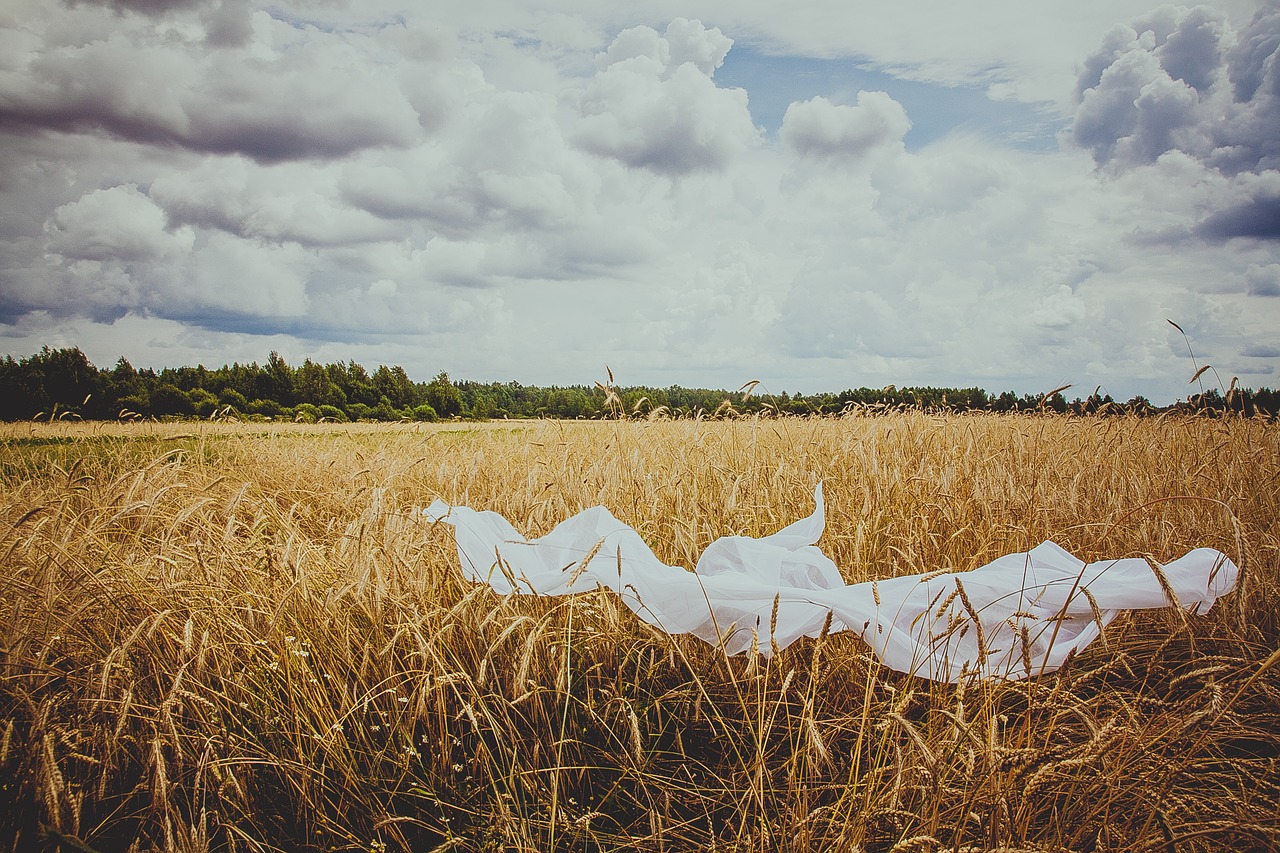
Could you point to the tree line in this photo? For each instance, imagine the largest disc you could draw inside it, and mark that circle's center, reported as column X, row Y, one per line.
column 63, row 383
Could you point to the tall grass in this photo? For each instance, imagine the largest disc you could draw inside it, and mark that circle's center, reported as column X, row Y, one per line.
column 246, row 638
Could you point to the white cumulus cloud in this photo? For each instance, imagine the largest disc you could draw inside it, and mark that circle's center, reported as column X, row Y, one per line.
column 654, row 104
column 114, row 224
column 819, row 128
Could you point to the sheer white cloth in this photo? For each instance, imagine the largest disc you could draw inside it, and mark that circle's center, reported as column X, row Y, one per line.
column 1018, row 616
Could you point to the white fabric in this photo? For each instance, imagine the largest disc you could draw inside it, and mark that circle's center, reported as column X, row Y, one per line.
column 1031, row 607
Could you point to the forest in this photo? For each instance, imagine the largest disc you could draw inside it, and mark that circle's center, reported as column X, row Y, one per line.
column 61, row 383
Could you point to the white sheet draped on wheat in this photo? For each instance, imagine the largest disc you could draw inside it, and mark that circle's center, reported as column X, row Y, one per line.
column 1032, row 609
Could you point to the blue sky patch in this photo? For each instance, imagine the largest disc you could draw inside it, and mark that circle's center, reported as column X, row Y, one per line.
column 774, row 82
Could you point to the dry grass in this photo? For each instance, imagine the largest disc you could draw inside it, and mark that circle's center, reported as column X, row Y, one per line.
column 231, row 637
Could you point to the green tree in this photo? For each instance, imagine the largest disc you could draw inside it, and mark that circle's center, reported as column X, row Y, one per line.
column 21, row 390
column 204, row 403
column 394, row 384
column 124, row 389
column 69, row 379
column 169, row 399
column 443, row 396
column 569, row 403
column 240, row 378
column 386, row 411
column 275, row 381
column 233, row 398
column 312, row 384
column 354, row 382
column 1055, row 402
column 1007, row 401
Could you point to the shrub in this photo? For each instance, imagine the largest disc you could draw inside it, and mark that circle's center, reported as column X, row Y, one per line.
column 306, row 413
column 386, row 411
column 204, row 402
column 233, row 398
column 268, row 408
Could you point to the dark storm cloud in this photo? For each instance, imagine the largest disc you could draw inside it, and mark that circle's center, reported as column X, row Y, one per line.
column 267, row 133
column 1263, row 280
column 312, row 101
column 1257, row 217
column 1192, row 52
column 145, row 7
column 264, row 139
column 1252, row 61
column 227, row 23
column 1181, row 79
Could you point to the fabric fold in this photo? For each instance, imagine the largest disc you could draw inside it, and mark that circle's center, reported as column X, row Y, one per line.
column 1018, row 616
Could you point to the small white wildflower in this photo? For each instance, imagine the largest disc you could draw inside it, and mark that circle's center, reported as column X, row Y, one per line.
column 337, row 727
column 403, row 699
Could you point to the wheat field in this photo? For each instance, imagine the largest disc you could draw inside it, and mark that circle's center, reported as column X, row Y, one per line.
column 246, row 637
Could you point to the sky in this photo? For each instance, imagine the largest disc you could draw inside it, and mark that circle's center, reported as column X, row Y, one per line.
column 1009, row 195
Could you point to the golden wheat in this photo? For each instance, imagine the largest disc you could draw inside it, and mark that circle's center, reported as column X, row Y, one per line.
column 246, row 637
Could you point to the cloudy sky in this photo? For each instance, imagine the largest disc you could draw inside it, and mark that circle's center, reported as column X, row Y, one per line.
column 1006, row 194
